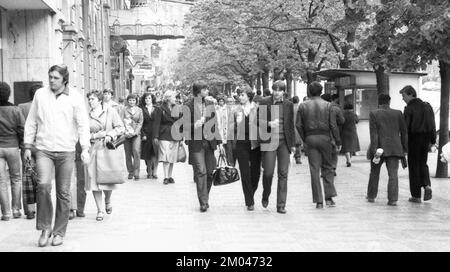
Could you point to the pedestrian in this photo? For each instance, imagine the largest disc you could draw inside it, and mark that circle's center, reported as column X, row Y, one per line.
column 316, row 124
column 298, row 139
column 202, row 142
column 168, row 146
column 419, row 118
column 224, row 117
column 349, row 134
column 29, row 188
column 57, row 120
column 230, row 148
column 257, row 97
column 247, row 146
column 108, row 101
column 388, row 132
column 279, row 122
column 105, row 126
column 11, row 137
column 133, row 119
column 340, row 120
column 149, row 148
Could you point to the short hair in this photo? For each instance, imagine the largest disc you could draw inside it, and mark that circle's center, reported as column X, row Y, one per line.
column 384, row 99
column 121, row 99
column 62, row 70
column 111, row 91
column 5, row 92
column 198, row 87
column 145, row 95
column 133, row 96
column 295, row 99
column 334, row 97
column 222, row 97
column 168, row 94
column 33, row 88
column 95, row 93
column 267, row 92
column 409, row 90
column 326, row 97
column 258, row 92
column 315, row 88
column 248, row 91
column 279, row 85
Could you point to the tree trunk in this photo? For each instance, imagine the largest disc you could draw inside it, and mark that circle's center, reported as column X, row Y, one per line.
column 444, row 70
column 276, row 74
column 265, row 78
column 289, row 82
column 258, row 82
column 382, row 80
column 310, row 77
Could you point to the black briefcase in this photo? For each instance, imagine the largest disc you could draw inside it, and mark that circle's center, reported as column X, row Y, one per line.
column 116, row 143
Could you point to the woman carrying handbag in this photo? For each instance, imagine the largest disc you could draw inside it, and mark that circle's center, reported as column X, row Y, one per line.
column 105, row 126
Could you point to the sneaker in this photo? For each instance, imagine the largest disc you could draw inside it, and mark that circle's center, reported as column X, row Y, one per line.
column 428, row 194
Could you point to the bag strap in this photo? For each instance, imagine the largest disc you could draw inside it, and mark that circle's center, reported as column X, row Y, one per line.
column 222, row 159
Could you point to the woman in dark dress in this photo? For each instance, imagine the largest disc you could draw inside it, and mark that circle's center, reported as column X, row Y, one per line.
column 149, row 151
column 349, row 135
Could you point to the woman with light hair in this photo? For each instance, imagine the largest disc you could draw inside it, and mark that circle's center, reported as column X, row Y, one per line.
column 168, row 146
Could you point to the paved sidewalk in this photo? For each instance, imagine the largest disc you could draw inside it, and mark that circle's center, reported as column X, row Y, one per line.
column 150, row 216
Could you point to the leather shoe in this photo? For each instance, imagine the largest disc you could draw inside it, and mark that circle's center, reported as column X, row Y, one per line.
column 130, row 176
column 80, row 214
column 166, row 181
column 371, row 200
column 265, row 203
column 330, row 202
column 415, row 200
column 57, row 240
column 281, row 210
column 171, row 180
column 392, row 203
column 203, row 208
column 319, row 206
column 30, row 215
column 428, row 194
column 250, row 208
column 43, row 239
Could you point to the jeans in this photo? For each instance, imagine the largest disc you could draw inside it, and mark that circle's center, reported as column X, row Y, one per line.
column 250, row 167
column 320, row 151
column 10, row 157
column 203, row 164
column 282, row 154
column 392, row 168
column 132, row 148
column 419, row 175
column 63, row 163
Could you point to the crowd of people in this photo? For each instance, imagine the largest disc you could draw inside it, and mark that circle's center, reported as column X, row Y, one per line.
column 56, row 137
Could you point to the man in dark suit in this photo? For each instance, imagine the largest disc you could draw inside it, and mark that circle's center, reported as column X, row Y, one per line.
column 421, row 126
column 279, row 143
column 316, row 124
column 204, row 139
column 388, row 132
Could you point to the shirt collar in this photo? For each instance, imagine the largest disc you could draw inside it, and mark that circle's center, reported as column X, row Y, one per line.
column 65, row 91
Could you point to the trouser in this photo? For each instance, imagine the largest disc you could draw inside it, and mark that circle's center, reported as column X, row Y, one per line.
column 250, row 167
column 63, row 163
column 203, row 164
column 334, row 157
column 10, row 157
column 319, row 158
column 392, row 168
column 419, row 175
column 132, row 148
column 152, row 166
column 81, row 181
column 231, row 153
column 282, row 155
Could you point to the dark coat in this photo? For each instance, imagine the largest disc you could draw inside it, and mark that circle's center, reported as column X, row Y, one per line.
column 212, row 136
column 288, row 116
column 387, row 131
column 349, row 135
column 148, row 149
column 419, row 118
column 162, row 125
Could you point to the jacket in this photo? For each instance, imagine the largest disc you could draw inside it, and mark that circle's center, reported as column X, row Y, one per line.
column 162, row 126
column 12, row 125
column 316, row 117
column 387, row 131
column 419, row 118
column 239, row 128
column 132, row 121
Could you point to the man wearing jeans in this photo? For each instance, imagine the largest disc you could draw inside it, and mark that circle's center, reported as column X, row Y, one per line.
column 11, row 135
column 57, row 119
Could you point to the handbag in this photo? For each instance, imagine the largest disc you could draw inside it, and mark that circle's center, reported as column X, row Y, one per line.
column 117, row 142
column 110, row 165
column 29, row 188
column 181, row 154
column 224, row 173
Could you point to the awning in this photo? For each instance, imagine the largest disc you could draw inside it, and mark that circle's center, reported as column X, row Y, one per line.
column 29, row 5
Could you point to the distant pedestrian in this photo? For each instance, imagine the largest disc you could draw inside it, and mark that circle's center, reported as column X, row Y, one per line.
column 349, row 134
column 316, row 123
column 340, row 119
column 388, row 132
column 168, row 146
column 108, row 101
column 224, row 116
column 11, row 137
column 133, row 119
column 298, row 139
column 419, row 118
column 149, row 148
column 279, row 122
column 55, row 140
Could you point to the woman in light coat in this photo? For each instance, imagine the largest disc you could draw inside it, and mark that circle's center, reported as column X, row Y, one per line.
column 105, row 126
